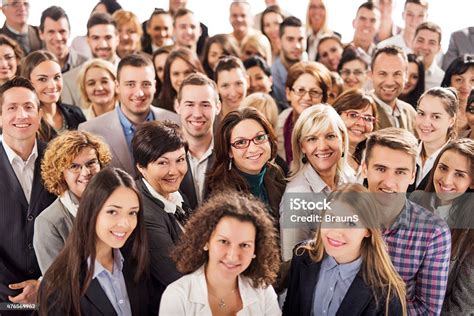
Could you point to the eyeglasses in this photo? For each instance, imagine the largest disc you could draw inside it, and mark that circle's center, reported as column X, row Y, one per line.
column 470, row 110
column 347, row 72
column 90, row 165
column 244, row 142
column 17, row 4
column 313, row 94
column 355, row 116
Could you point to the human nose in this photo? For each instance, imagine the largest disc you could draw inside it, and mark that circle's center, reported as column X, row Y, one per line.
column 232, row 253
column 123, row 221
column 448, row 178
column 85, row 171
column 21, row 113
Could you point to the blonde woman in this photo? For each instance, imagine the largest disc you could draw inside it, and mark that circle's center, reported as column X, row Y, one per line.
column 97, row 87
column 130, row 33
column 257, row 44
column 316, row 26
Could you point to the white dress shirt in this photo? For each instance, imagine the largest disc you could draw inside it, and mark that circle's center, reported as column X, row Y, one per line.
column 198, row 170
column 24, row 170
column 433, row 76
column 423, row 170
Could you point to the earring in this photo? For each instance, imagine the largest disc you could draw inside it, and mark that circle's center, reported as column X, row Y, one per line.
column 304, row 159
column 230, row 164
column 342, row 155
column 205, row 248
column 254, row 256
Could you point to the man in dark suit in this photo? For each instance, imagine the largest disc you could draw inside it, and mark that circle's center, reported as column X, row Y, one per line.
column 135, row 87
column 197, row 105
column 16, row 25
column 22, row 194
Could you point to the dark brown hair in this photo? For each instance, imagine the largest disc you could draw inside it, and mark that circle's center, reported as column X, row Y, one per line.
column 189, row 254
column 229, row 48
column 315, row 69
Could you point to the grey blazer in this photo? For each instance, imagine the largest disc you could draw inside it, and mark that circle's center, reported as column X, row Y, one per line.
column 109, row 128
column 70, row 93
column 460, row 43
column 52, row 227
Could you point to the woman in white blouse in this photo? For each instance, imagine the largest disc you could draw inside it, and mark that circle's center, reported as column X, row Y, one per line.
column 230, row 257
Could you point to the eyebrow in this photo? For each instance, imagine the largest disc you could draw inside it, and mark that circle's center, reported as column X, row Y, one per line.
column 457, row 170
column 248, row 241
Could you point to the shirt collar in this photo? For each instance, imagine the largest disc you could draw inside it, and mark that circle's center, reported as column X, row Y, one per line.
column 206, row 155
column 403, row 219
column 170, row 205
column 433, row 155
column 70, row 202
column 346, row 270
column 117, row 268
column 12, row 155
column 16, row 32
column 127, row 124
column 387, row 108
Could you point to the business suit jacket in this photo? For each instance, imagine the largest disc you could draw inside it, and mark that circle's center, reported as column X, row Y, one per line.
column 187, row 185
column 163, row 233
column 460, row 43
column 52, row 227
column 359, row 299
column 109, row 128
column 96, row 303
column 406, row 119
column 17, row 257
column 71, row 93
column 33, row 38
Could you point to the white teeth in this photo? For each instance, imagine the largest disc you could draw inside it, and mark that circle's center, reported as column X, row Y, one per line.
column 324, row 155
column 254, row 157
column 118, row 234
column 22, row 125
column 386, row 191
column 197, row 123
column 356, row 131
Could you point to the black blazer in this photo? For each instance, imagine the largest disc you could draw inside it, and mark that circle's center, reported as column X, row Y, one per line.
column 17, row 256
column 412, row 187
column 73, row 114
column 163, row 233
column 359, row 299
column 187, row 185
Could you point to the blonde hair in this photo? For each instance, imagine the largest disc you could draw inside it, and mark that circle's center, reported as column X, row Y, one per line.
column 317, row 118
column 261, row 44
column 377, row 269
column 264, row 103
column 60, row 153
column 122, row 17
column 81, row 78
column 324, row 27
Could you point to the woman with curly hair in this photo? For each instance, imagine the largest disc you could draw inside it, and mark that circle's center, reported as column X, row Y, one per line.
column 245, row 149
column 345, row 269
column 230, row 255
column 69, row 163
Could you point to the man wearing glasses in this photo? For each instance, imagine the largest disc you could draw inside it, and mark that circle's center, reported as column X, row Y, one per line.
column 16, row 25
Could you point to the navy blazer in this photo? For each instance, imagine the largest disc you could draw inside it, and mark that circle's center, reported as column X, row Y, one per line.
column 17, row 256
column 359, row 299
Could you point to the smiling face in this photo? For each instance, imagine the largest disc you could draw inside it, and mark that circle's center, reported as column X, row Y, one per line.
column 16, row 12
column 47, row 79
column 240, row 18
column 215, row 52
column 330, row 53
column 388, row 77
column 293, row 43
column 187, row 30
column 317, row 14
column 160, row 29
column 300, row 103
column 8, row 63
column 20, row 115
column 323, row 151
column 129, row 39
column 414, row 14
column 103, row 41
column 99, row 86
column 252, row 159
column 117, row 219
column 412, row 78
column 197, row 110
column 179, row 70
column 83, row 167
column 159, row 63
column 357, row 128
column 232, row 85
column 366, row 25
column 427, row 44
column 271, row 25
column 343, row 243
column 259, row 81
column 432, row 121
column 136, row 88
column 231, row 247
column 452, row 176
column 166, row 173
column 354, row 74
column 55, row 36
column 463, row 83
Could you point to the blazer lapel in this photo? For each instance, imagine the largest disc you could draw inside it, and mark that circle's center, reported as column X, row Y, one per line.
column 118, row 144
column 10, row 180
column 356, row 299
column 188, row 188
column 37, row 186
column 96, row 295
column 309, row 275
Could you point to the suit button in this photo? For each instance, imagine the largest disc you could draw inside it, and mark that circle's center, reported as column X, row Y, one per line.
column 30, row 218
column 30, row 246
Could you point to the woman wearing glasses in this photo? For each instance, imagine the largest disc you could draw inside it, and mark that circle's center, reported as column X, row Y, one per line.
column 320, row 150
column 69, row 163
column 244, row 149
column 353, row 68
column 307, row 83
column 358, row 111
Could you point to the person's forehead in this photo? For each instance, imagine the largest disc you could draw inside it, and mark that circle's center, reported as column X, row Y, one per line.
column 241, row 8
column 100, row 29
column 389, row 61
column 187, row 18
column 293, row 31
column 19, row 95
column 49, row 22
column 129, row 72
column 194, row 92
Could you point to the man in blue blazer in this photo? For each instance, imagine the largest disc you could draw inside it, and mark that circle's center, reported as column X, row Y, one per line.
column 135, row 87
column 22, row 194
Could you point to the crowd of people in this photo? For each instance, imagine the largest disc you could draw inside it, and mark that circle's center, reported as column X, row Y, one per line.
column 152, row 169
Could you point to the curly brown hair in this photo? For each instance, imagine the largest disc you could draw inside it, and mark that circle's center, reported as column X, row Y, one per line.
column 189, row 254
column 60, row 153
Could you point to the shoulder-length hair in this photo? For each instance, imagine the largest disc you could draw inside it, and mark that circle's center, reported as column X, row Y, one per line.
column 318, row 118
column 324, row 27
column 220, row 176
column 70, row 275
column 414, row 95
column 168, row 94
column 377, row 269
column 315, row 69
column 17, row 50
column 457, row 67
column 81, row 78
column 189, row 254
column 229, row 48
column 261, row 44
column 33, row 59
column 60, row 153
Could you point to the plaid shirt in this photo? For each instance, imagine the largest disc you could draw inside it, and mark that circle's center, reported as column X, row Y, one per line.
column 419, row 244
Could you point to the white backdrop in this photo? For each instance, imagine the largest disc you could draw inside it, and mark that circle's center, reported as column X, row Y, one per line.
column 450, row 15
